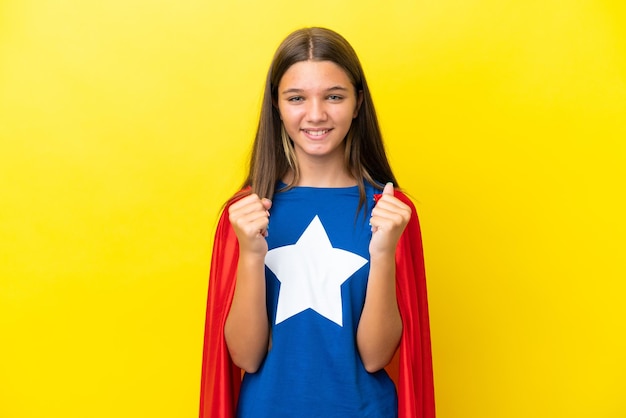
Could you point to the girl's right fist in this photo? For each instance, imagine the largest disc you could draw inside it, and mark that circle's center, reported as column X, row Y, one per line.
column 249, row 217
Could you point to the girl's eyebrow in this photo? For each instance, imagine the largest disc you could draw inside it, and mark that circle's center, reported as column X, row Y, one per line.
column 299, row 91
column 292, row 90
column 337, row 88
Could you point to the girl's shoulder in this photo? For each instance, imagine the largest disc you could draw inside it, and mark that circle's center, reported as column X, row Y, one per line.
column 404, row 197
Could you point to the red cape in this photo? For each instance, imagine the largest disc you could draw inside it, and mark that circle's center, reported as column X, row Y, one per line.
column 411, row 367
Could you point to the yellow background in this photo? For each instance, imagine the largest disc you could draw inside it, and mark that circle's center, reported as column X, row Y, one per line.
column 124, row 124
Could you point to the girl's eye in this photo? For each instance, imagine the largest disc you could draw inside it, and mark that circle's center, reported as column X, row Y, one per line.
column 296, row 99
column 335, row 97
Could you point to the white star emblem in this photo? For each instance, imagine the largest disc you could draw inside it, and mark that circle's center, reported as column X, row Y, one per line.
column 311, row 272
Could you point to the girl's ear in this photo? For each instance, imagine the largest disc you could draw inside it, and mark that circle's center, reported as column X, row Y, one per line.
column 275, row 104
column 359, row 101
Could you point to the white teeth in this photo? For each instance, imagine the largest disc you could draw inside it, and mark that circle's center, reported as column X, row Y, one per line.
column 316, row 133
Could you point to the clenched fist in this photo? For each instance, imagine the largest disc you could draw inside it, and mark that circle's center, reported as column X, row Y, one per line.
column 249, row 217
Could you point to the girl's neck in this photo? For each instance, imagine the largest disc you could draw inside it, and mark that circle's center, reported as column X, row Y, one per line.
column 322, row 177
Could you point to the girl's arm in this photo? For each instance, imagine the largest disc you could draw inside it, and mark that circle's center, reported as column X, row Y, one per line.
column 380, row 326
column 247, row 330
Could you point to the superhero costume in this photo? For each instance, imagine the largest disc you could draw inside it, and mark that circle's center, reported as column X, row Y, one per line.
column 411, row 368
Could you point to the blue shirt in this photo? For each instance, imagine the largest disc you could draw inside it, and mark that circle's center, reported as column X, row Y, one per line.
column 317, row 269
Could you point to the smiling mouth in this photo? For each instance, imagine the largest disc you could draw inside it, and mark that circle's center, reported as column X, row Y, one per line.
column 316, row 133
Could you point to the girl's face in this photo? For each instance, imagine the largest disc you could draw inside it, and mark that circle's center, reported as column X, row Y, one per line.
column 317, row 103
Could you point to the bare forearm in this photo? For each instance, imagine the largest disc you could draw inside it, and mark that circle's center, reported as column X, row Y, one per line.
column 380, row 327
column 247, row 330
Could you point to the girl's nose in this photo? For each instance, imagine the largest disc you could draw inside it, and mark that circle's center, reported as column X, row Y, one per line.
column 316, row 111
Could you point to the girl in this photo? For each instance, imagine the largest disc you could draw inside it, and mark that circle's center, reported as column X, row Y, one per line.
column 317, row 273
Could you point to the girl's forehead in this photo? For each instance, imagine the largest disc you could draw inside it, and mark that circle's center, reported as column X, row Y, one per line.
column 310, row 74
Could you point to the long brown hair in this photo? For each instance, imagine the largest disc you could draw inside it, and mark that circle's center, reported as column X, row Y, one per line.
column 272, row 153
